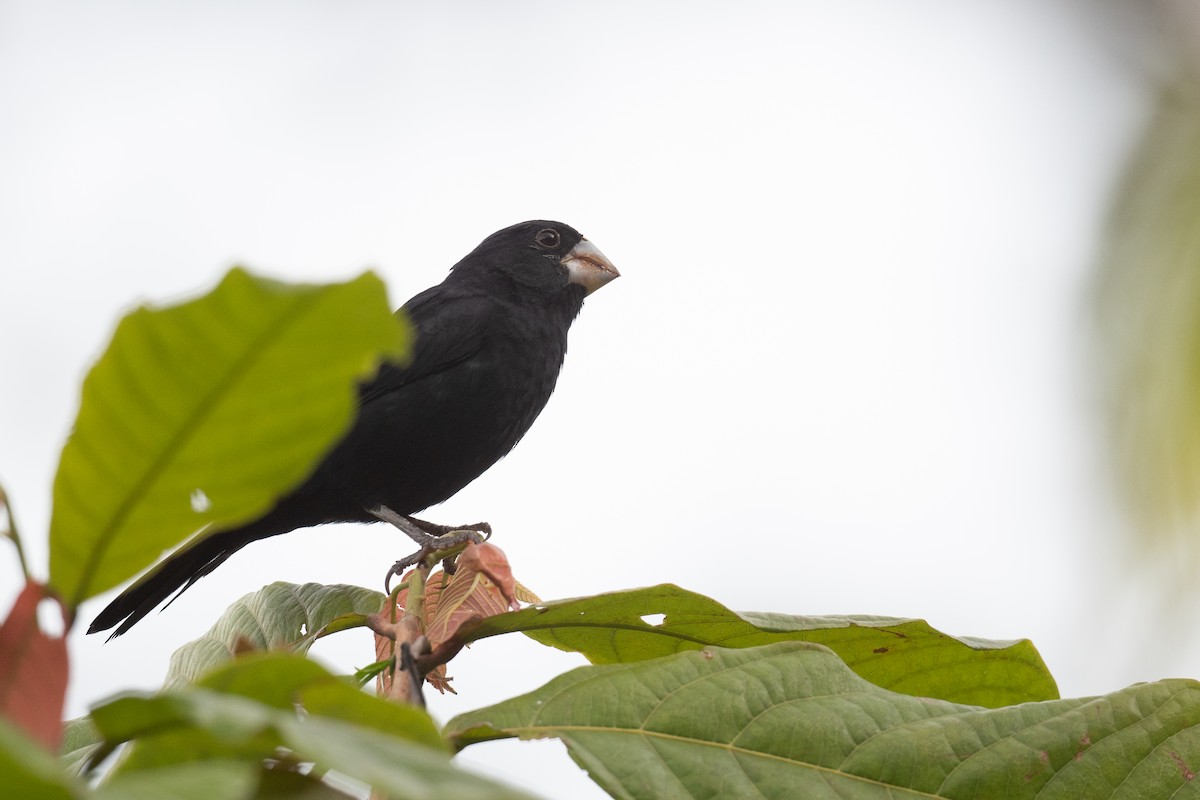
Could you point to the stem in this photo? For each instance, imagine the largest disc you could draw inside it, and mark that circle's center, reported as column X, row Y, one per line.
column 394, row 597
column 415, row 604
column 11, row 532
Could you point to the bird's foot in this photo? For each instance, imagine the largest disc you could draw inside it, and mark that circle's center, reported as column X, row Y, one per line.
column 432, row 538
column 437, row 531
column 449, row 543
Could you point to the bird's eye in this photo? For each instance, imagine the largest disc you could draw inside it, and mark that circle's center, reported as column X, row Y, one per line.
column 547, row 238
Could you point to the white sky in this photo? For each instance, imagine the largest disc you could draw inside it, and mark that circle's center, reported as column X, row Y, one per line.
column 845, row 369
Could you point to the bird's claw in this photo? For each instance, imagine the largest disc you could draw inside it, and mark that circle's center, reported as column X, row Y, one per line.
column 400, row 566
column 431, row 537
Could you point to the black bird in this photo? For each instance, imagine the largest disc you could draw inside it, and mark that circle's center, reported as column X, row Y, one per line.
column 490, row 341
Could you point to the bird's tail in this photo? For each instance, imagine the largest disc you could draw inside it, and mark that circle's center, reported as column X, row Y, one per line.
column 174, row 575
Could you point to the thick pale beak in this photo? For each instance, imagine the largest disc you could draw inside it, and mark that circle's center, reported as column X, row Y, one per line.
column 588, row 267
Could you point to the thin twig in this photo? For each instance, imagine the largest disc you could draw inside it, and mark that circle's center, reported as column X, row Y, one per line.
column 10, row 531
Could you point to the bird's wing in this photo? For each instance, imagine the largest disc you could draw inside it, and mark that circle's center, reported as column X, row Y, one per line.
column 450, row 328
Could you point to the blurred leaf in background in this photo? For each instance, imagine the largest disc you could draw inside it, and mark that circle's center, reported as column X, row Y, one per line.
column 1148, row 301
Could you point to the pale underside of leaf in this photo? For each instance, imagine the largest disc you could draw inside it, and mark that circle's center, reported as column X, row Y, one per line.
column 278, row 616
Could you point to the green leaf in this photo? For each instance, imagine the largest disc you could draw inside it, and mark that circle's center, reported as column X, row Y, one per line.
column 202, row 414
column 278, row 616
column 179, row 728
column 279, row 785
column 395, row 749
column 790, row 720
column 388, row 764
column 274, row 679
column 29, row 772
column 343, row 700
column 227, row 780
column 282, row 681
column 1147, row 295
column 234, row 727
column 903, row 655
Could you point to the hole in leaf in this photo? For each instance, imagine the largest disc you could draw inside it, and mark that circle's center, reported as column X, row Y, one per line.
column 50, row 619
column 654, row 619
column 200, row 501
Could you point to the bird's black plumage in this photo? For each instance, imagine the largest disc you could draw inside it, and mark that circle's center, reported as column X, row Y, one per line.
column 490, row 341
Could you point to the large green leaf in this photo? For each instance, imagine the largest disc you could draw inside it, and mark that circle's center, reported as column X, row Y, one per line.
column 277, row 616
column 903, row 655
column 790, row 720
column 204, row 413
column 283, row 680
column 246, row 712
column 212, row 775
column 227, row 780
column 29, row 772
column 278, row 784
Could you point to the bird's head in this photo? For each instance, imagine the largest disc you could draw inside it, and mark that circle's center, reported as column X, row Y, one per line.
column 540, row 256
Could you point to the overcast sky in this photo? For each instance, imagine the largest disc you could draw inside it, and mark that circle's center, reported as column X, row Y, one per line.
column 855, row 241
